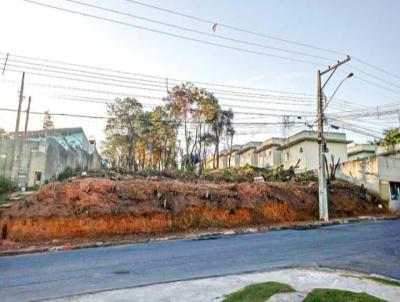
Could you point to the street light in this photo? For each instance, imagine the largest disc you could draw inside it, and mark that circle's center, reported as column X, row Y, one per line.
column 322, row 185
column 337, row 88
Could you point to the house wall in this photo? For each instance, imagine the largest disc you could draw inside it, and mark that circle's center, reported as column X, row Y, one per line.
column 359, row 155
column 223, row 161
column 235, row 159
column 248, row 157
column 375, row 173
column 6, row 154
column 269, row 158
column 309, row 156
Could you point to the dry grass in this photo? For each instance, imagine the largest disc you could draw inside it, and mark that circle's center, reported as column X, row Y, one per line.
column 97, row 207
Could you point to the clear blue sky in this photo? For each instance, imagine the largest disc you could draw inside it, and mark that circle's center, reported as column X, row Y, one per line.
column 366, row 29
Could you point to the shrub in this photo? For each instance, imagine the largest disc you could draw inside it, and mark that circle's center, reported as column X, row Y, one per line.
column 67, row 173
column 5, row 185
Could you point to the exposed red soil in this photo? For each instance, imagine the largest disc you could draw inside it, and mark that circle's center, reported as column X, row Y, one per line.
column 96, row 207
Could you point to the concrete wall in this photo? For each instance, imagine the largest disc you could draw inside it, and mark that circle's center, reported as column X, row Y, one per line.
column 360, row 155
column 47, row 157
column 375, row 173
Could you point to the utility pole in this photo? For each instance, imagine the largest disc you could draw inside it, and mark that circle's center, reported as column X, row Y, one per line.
column 16, row 159
column 27, row 117
column 322, row 182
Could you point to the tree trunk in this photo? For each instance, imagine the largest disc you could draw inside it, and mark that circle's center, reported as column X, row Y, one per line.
column 217, row 150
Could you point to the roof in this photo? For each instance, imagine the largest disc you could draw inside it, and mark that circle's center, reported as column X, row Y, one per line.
column 273, row 141
column 358, row 148
column 249, row 146
column 43, row 133
column 307, row 135
column 234, row 148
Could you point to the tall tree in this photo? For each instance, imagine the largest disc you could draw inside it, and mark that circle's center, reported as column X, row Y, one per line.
column 47, row 121
column 144, row 143
column 182, row 104
column 164, row 136
column 230, row 132
column 219, row 122
column 122, row 122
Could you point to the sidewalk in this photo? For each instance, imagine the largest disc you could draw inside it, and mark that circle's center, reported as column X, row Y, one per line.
column 303, row 280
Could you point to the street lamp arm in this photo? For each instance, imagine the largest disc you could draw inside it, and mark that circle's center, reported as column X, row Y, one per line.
column 337, row 88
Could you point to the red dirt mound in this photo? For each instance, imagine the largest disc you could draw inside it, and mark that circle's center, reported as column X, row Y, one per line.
column 94, row 206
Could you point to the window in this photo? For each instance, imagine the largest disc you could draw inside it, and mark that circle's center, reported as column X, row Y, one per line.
column 38, row 176
column 270, row 153
column 301, row 149
column 395, row 190
column 286, row 156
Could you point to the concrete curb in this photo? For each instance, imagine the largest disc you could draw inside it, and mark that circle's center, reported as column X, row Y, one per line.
column 307, row 225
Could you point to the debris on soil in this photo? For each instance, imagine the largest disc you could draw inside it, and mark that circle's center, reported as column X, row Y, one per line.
column 92, row 207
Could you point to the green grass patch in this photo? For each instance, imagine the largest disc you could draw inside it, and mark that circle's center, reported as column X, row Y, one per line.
column 384, row 281
column 335, row 295
column 258, row 292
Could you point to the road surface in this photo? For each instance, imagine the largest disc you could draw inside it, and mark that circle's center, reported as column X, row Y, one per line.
column 372, row 247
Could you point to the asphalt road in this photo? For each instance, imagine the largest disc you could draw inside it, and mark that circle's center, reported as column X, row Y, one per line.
column 372, row 247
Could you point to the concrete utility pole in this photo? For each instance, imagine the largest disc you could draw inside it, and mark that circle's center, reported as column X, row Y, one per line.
column 322, row 183
column 27, row 117
column 15, row 159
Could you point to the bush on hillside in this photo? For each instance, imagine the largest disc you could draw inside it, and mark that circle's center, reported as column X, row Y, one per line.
column 67, row 173
column 5, row 185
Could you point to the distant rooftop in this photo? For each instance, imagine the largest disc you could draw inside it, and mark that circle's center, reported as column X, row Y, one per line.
column 357, row 148
column 43, row 133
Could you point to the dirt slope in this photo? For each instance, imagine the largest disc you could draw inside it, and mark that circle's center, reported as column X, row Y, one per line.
column 92, row 207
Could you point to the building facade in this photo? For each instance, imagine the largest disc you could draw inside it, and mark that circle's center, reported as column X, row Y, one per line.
column 378, row 173
column 43, row 155
column 247, row 154
column 359, row 151
column 269, row 153
column 302, row 148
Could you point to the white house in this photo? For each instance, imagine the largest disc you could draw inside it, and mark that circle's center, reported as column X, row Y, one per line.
column 269, row 153
column 304, row 146
column 248, row 154
column 358, row 151
column 233, row 157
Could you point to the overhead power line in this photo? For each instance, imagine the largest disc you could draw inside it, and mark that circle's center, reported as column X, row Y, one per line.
column 226, row 46
column 293, row 98
column 263, row 35
column 139, row 81
column 155, row 77
column 236, row 28
column 161, row 121
column 214, row 35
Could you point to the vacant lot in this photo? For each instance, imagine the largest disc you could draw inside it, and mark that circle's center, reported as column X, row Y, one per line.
column 96, row 207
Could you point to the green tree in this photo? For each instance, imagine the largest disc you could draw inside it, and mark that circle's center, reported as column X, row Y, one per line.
column 182, row 104
column 391, row 138
column 144, row 143
column 121, row 127
column 47, row 121
column 164, row 136
column 115, row 150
